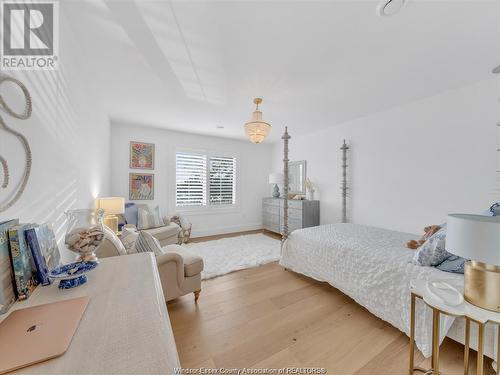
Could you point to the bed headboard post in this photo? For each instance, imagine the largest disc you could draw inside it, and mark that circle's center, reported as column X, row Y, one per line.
column 344, row 187
column 286, row 137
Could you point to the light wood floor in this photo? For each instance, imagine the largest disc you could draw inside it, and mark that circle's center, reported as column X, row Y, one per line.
column 268, row 317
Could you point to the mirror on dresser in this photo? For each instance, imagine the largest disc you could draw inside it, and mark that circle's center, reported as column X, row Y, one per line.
column 297, row 172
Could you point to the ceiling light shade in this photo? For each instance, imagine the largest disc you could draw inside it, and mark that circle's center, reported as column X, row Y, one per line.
column 256, row 129
column 496, row 70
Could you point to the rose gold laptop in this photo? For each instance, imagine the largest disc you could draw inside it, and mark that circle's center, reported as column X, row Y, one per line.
column 38, row 333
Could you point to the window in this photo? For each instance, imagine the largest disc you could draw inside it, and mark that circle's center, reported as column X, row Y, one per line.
column 193, row 188
column 191, row 179
column 222, row 180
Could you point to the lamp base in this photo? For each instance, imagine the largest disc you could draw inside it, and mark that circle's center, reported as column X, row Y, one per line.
column 276, row 191
column 482, row 285
column 111, row 221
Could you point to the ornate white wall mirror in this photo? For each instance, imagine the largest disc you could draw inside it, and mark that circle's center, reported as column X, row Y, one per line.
column 298, row 175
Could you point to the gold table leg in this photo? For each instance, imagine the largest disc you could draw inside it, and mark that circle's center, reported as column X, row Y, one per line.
column 480, row 350
column 435, row 341
column 467, row 346
column 498, row 351
column 412, row 335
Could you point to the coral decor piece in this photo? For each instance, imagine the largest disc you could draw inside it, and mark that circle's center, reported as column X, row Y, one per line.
column 26, row 114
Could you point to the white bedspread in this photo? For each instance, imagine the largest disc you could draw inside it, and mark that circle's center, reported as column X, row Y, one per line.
column 373, row 267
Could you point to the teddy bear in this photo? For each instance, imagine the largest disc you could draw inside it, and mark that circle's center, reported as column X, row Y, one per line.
column 428, row 232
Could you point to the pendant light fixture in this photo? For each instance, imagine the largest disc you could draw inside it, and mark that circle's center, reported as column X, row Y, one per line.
column 257, row 130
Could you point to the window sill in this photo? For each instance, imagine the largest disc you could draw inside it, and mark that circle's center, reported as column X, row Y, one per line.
column 211, row 210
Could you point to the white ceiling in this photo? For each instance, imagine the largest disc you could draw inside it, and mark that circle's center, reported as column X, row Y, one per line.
column 195, row 65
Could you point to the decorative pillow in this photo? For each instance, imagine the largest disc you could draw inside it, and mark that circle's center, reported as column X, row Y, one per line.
column 433, row 252
column 147, row 243
column 130, row 213
column 113, row 238
column 148, row 218
column 454, row 264
column 128, row 238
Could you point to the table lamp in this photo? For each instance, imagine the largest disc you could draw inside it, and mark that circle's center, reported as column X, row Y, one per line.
column 477, row 238
column 276, row 178
column 112, row 206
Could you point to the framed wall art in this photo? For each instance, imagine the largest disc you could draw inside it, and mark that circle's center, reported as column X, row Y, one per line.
column 142, row 155
column 141, row 186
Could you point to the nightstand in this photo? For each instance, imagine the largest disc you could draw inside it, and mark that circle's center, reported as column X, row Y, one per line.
column 471, row 313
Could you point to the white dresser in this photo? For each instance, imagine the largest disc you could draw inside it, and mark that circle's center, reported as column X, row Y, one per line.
column 125, row 329
column 301, row 214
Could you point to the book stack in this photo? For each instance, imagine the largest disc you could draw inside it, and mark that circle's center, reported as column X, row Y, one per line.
column 27, row 253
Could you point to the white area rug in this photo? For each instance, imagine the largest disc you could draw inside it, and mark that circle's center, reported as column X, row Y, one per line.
column 235, row 253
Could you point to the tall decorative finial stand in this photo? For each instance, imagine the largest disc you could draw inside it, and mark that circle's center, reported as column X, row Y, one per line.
column 344, row 187
column 286, row 137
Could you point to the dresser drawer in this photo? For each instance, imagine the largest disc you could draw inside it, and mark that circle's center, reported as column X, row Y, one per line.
column 293, row 225
column 295, row 204
column 271, row 220
column 271, row 201
column 270, row 210
column 294, row 214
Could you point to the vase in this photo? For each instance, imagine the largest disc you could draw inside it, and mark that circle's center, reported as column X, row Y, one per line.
column 310, row 195
column 85, row 233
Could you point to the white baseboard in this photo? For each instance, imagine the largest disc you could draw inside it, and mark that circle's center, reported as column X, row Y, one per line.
column 225, row 230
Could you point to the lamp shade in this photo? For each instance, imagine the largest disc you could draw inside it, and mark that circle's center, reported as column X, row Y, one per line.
column 112, row 205
column 474, row 237
column 276, row 178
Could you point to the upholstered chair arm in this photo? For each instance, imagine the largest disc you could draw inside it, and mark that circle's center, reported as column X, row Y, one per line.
column 166, row 264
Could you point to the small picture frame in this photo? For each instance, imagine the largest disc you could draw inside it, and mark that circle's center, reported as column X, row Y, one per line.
column 142, row 155
column 141, row 186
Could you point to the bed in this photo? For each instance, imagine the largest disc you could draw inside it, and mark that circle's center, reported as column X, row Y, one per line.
column 373, row 267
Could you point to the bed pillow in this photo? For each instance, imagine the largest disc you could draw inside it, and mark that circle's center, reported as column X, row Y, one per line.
column 148, row 218
column 432, row 252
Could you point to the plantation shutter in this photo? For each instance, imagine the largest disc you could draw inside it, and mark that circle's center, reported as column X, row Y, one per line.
column 222, row 180
column 191, row 179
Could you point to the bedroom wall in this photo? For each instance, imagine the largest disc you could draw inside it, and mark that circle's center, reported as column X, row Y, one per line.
column 69, row 138
column 253, row 168
column 411, row 165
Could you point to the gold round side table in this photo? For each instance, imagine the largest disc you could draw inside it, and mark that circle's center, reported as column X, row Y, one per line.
column 469, row 312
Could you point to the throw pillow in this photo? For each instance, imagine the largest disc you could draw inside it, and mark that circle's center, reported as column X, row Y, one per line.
column 148, row 218
column 433, row 252
column 128, row 238
column 147, row 243
column 454, row 264
column 113, row 238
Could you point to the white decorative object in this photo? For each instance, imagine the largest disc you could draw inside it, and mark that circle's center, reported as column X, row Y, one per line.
column 125, row 329
column 256, row 129
column 235, row 253
column 26, row 114
column 309, row 190
column 372, row 266
column 276, row 178
column 85, row 233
